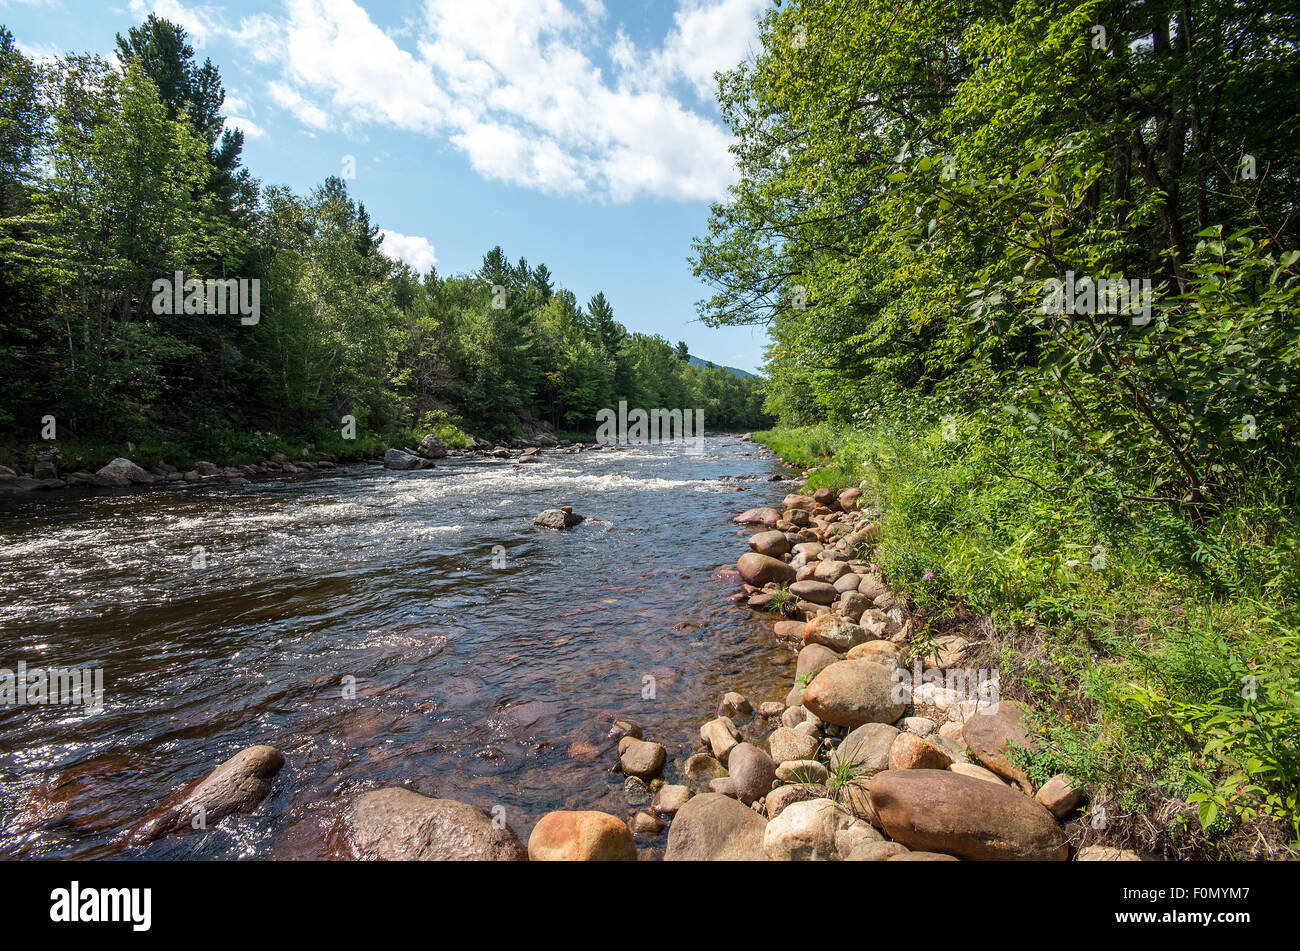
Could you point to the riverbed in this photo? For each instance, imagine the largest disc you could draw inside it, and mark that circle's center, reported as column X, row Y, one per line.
column 380, row 628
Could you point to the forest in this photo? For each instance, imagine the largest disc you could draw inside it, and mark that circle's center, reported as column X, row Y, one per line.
column 931, row 199
column 114, row 175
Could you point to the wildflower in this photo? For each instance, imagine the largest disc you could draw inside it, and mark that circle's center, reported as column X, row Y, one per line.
column 927, row 576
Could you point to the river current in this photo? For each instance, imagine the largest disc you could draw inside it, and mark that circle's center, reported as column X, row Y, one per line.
column 380, row 628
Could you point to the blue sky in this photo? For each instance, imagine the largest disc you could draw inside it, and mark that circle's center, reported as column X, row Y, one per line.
column 577, row 133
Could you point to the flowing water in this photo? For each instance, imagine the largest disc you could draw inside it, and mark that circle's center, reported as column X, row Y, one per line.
column 482, row 673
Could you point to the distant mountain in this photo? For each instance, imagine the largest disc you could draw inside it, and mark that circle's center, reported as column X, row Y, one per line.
column 697, row 362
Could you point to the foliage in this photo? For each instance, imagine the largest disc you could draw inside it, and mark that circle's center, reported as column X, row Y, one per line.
column 116, row 175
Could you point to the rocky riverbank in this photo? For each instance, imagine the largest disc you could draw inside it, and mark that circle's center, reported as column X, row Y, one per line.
column 883, row 746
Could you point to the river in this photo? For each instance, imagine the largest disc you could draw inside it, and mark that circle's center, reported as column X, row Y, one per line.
column 481, row 673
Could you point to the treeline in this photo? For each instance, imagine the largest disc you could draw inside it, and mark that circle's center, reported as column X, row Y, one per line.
column 918, row 178
column 114, row 175
column 931, row 197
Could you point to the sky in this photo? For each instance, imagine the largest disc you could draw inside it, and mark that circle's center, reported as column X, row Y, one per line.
column 578, row 133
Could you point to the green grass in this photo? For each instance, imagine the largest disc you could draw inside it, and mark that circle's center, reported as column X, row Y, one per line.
column 1162, row 655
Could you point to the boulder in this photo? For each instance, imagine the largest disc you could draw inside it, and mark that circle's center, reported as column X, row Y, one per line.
column 734, row 704
column 818, row 592
column 646, row 823
column 853, row 692
column 782, row 796
column 813, row 659
column 759, row 516
column 581, row 837
column 837, row 633
column 1060, row 795
column 942, row 811
column 772, row 544
column 399, row 825
column 669, row 799
column 237, row 785
column 852, row 605
column 831, row 572
column 640, row 758
column 788, row 634
column 802, row 771
column 715, row 828
column 124, row 472
column 787, row 744
column 399, row 459
column 16, row 484
column 990, row 736
column 559, row 519
column 702, row 767
column 759, row 570
column 865, row 751
column 977, row 772
column 882, row 652
column 805, row 831
column 875, row 852
column 720, row 736
column 751, row 772
column 910, row 751
column 431, row 447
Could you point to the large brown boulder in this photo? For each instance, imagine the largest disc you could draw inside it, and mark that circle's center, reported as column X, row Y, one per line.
column 581, row 837
column 750, row 772
column 935, row 810
column 837, row 633
column 758, row 569
column 991, row 736
column 760, row 516
column 772, row 544
column 818, row 592
column 853, row 692
column 713, row 827
column 237, row 785
column 913, row 752
column 813, row 659
column 396, row 824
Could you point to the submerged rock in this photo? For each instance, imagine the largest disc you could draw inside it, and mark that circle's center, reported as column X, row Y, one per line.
column 237, row 785
column 398, row 824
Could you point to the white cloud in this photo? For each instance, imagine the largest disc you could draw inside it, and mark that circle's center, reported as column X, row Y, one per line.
column 513, row 86
column 413, row 249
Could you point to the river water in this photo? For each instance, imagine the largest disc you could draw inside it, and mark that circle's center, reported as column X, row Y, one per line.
column 482, row 673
